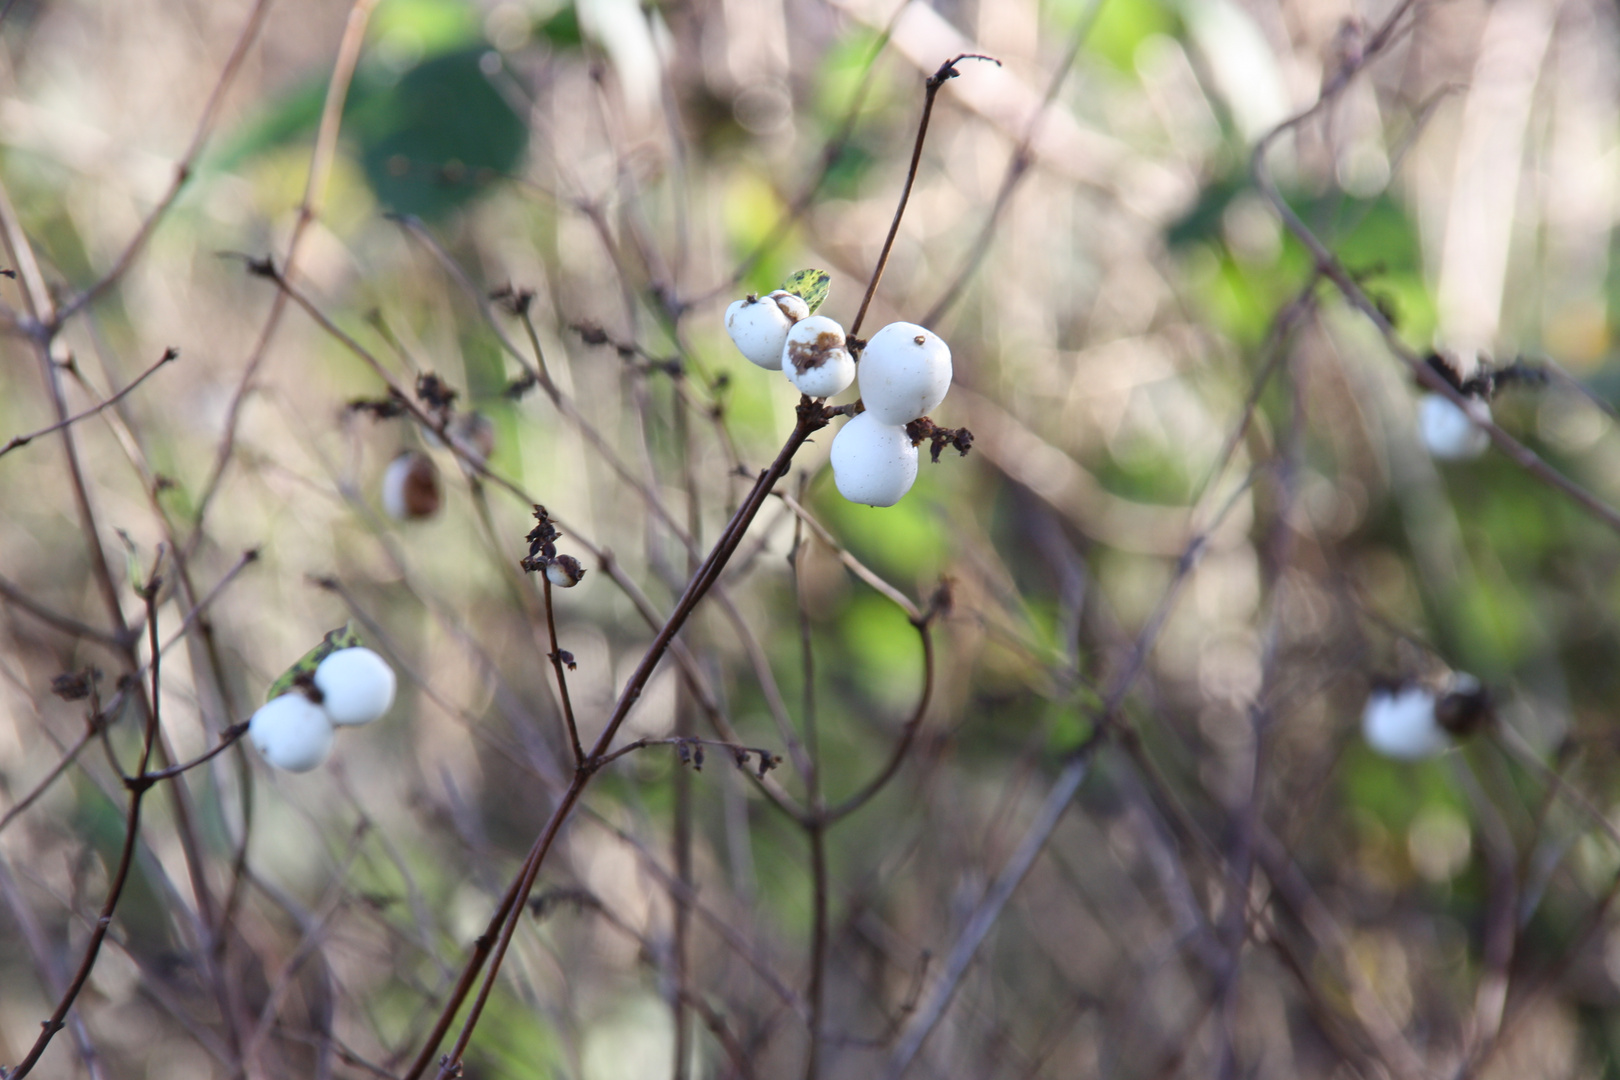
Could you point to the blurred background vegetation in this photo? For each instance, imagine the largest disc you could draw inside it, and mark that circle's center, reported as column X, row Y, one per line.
column 1137, row 567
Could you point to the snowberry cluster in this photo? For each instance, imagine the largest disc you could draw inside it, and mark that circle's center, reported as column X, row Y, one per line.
column 348, row 687
column 1409, row 722
column 904, row 371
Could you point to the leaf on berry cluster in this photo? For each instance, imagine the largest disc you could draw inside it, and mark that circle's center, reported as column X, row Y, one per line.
column 811, row 286
column 344, row 637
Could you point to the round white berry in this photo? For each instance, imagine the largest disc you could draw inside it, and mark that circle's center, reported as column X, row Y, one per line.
column 1400, row 723
column 291, row 732
column 356, row 685
column 905, row 371
column 759, row 326
column 1448, row 432
column 410, row 487
column 564, row 571
column 814, row 358
column 872, row 462
column 792, row 304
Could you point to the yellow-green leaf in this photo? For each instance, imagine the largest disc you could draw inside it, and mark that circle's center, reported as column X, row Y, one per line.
column 811, row 286
column 344, row 637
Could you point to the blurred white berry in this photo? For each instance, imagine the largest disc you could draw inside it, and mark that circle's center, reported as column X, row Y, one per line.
column 873, row 463
column 1400, row 723
column 291, row 732
column 814, row 358
column 905, row 371
column 473, row 434
column 564, row 571
column 759, row 326
column 1448, row 432
column 357, row 686
column 410, row 487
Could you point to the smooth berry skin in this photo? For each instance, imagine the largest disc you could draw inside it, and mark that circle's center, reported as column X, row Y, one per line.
column 792, row 304
column 815, row 359
column 905, row 372
column 872, row 462
column 1449, row 433
column 759, row 327
column 1401, row 724
column 356, row 685
column 291, row 732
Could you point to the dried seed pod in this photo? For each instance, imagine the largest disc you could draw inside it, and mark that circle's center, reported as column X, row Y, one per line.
column 410, row 487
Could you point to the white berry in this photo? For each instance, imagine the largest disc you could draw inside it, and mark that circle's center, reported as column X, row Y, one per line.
column 1400, row 723
column 1448, row 432
column 873, row 463
column 291, row 732
column 410, row 487
column 357, row 686
column 905, row 371
column 759, row 326
column 564, row 571
column 814, row 358
column 792, row 304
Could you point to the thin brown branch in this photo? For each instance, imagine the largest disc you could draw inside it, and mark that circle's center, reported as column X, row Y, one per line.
column 320, row 169
column 1328, row 265
column 24, row 440
column 557, row 666
column 1018, row 166
column 138, row 786
column 947, row 71
column 988, row 911
column 183, row 169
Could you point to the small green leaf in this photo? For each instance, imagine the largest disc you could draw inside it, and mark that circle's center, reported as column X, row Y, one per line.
column 811, row 286
column 344, row 637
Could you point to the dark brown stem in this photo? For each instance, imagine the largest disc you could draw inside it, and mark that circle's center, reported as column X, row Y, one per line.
column 562, row 676
column 811, row 418
column 907, row 736
column 227, row 739
column 817, row 828
column 1017, row 168
column 12, row 594
column 138, row 785
column 183, row 169
column 947, row 71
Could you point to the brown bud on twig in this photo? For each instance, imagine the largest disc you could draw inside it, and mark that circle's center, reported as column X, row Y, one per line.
column 74, row 685
column 1465, row 708
column 435, row 392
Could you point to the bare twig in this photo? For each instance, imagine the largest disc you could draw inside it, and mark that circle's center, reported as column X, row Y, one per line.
column 947, row 71
column 989, row 909
column 139, row 784
column 24, row 440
